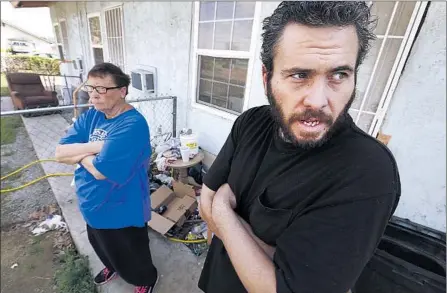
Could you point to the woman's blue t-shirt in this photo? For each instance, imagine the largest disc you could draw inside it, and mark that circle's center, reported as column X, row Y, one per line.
column 122, row 199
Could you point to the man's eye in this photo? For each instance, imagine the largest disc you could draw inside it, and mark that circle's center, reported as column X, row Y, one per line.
column 339, row 76
column 300, row 75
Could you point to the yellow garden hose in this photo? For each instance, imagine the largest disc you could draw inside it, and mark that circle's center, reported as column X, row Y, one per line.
column 187, row 241
column 33, row 181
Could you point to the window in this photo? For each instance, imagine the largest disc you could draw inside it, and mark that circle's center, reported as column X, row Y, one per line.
column 115, row 39
column 94, row 27
column 223, row 52
column 64, row 34
column 396, row 20
column 60, row 48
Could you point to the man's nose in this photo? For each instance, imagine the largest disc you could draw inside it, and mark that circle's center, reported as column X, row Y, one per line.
column 316, row 97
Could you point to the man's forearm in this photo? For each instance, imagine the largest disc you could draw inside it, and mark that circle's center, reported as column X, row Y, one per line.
column 269, row 250
column 67, row 151
column 242, row 249
column 206, row 201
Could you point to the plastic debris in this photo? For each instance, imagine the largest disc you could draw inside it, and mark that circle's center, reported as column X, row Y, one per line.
column 161, row 163
column 199, row 228
column 14, row 266
column 51, row 223
column 160, row 149
column 164, row 178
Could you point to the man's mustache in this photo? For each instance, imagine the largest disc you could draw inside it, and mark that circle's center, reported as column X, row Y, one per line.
column 311, row 114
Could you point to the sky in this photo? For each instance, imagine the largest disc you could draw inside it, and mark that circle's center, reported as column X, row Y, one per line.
column 34, row 20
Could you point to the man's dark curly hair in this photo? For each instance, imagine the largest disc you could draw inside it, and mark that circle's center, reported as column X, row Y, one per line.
column 317, row 14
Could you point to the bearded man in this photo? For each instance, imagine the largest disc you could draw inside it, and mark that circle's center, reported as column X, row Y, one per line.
column 299, row 196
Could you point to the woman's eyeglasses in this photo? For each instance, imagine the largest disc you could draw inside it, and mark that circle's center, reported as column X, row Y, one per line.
column 99, row 89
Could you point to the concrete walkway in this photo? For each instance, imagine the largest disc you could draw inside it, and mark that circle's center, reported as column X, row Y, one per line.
column 178, row 267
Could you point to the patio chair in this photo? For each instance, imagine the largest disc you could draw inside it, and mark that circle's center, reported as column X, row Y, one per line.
column 28, row 92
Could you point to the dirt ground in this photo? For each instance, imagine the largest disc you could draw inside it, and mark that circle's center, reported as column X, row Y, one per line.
column 21, row 211
column 44, row 264
column 18, row 205
column 37, row 259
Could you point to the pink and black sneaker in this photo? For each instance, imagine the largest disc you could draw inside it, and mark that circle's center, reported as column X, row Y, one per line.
column 146, row 289
column 104, row 276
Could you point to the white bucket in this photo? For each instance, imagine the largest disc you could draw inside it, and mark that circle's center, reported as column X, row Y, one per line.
column 190, row 141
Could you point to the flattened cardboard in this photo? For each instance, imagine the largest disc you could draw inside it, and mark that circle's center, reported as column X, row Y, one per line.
column 177, row 208
column 193, row 207
column 384, row 138
column 162, row 196
column 181, row 221
column 160, row 224
column 177, row 203
column 181, row 189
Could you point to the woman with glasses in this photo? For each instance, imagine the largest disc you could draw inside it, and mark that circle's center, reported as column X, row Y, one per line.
column 111, row 143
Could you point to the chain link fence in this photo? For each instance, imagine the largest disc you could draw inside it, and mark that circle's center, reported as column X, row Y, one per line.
column 31, row 136
column 63, row 85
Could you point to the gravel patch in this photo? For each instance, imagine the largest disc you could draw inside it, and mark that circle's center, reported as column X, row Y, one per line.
column 17, row 206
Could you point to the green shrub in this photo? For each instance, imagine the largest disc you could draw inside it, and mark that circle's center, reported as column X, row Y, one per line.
column 74, row 275
column 36, row 64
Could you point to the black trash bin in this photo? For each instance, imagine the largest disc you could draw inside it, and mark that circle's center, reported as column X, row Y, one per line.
column 428, row 240
column 410, row 259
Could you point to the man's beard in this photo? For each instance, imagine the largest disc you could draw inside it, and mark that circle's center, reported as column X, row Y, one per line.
column 308, row 142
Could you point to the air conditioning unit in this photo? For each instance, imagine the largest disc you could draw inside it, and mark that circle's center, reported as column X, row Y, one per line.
column 78, row 65
column 144, row 81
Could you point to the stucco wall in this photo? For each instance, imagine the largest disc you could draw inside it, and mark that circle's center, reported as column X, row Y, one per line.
column 159, row 34
column 416, row 120
column 155, row 34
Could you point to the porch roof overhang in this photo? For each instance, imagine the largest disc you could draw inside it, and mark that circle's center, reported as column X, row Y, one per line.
column 29, row 4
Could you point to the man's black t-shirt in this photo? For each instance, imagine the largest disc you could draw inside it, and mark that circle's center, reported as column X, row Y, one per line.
column 325, row 209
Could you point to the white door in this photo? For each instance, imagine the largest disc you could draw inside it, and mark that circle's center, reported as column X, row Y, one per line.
column 396, row 28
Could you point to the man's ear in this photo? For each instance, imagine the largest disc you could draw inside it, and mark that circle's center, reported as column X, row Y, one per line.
column 264, row 78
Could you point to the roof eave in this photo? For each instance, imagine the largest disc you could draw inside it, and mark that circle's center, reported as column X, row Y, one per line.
column 29, row 4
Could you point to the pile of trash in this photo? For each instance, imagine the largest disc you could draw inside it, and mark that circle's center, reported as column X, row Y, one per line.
column 185, row 147
column 194, row 230
column 174, row 207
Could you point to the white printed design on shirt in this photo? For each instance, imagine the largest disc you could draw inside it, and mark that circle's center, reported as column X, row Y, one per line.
column 98, row 135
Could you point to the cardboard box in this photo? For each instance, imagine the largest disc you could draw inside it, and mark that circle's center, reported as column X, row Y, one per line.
column 162, row 196
column 179, row 201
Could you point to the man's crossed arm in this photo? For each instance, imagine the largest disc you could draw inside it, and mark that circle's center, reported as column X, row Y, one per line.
column 242, row 245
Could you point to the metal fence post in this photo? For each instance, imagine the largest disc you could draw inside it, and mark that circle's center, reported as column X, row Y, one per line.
column 174, row 116
column 68, row 90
